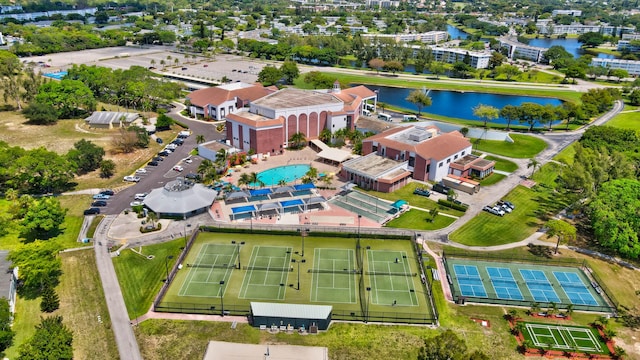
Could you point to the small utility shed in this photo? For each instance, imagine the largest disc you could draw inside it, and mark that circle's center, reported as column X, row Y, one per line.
column 296, row 315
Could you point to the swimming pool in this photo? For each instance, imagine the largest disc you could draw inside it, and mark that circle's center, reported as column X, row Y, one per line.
column 288, row 173
column 56, row 75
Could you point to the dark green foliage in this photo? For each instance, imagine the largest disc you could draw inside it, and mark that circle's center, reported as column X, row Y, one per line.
column 69, row 97
column 39, row 266
column 86, row 156
column 447, row 345
column 53, row 39
column 40, row 113
column 319, row 80
column 50, row 300
column 290, row 72
column 453, row 205
column 141, row 134
column 43, row 218
column 163, row 122
column 634, row 97
column 269, row 75
column 614, row 217
column 591, row 39
column 6, row 334
column 611, row 138
column 107, row 168
column 51, row 341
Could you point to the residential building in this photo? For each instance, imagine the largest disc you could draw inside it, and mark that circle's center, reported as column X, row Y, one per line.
column 269, row 122
column 518, row 50
column 431, row 37
column 428, row 153
column 375, row 172
column 631, row 66
column 548, row 27
column 624, row 44
column 217, row 102
column 478, row 60
column 630, row 36
column 574, row 13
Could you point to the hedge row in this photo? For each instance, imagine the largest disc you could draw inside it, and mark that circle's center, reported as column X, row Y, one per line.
column 452, row 205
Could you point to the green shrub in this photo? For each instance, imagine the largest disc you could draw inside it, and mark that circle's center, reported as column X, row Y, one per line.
column 452, row 205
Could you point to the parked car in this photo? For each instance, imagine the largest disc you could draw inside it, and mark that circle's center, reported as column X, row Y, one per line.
column 193, row 176
column 153, row 163
column 158, row 158
column 509, row 204
column 159, row 141
column 171, row 147
column 140, row 196
column 99, row 203
column 441, row 188
column 178, row 168
column 493, row 211
column 499, row 210
column 136, row 203
column 164, row 153
column 422, row 192
column 178, row 142
column 141, row 171
column 107, row 192
column 101, row 196
column 504, row 206
column 131, row 178
column 92, row 211
column 188, row 160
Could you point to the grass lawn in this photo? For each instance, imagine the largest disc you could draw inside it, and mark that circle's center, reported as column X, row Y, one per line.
column 26, row 318
column 627, row 120
column 492, row 179
column 81, row 302
column 522, row 147
column 532, row 208
column 566, row 155
column 503, row 164
column 406, row 193
column 416, row 219
column 140, row 278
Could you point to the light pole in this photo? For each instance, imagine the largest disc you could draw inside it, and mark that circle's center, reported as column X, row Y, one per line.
column 359, row 217
column 298, row 275
column 222, row 298
column 166, row 266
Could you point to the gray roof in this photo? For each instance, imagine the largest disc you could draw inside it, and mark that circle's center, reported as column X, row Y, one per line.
column 180, row 197
column 109, row 117
column 238, row 195
column 299, row 311
column 5, row 265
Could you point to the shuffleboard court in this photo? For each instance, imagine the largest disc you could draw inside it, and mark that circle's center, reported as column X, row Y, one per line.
column 214, row 263
column 390, row 278
column 334, row 276
column 570, row 338
column 267, row 273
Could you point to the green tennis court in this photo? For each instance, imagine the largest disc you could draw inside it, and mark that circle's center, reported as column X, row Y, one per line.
column 267, row 273
column 334, row 276
column 570, row 338
column 391, row 279
column 214, row 263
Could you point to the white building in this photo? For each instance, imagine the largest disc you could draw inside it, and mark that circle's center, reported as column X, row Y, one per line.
column 626, row 44
column 431, row 37
column 575, row 13
column 479, row 60
column 518, row 50
column 631, row 36
column 632, row 66
column 549, row 28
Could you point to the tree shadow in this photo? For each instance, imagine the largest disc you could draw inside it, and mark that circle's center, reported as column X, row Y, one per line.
column 540, row 251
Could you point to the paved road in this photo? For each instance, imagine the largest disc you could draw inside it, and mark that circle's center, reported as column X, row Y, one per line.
column 125, row 338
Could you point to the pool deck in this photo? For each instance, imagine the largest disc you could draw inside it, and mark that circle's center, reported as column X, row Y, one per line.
column 331, row 216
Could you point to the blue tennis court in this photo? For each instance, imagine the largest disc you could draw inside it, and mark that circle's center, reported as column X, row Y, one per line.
column 469, row 280
column 504, row 284
column 539, row 286
column 575, row 289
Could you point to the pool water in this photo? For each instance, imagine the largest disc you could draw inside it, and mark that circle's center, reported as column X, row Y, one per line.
column 287, row 173
column 56, row 75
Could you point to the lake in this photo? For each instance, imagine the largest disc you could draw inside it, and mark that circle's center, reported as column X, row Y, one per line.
column 571, row 45
column 456, row 104
column 456, row 33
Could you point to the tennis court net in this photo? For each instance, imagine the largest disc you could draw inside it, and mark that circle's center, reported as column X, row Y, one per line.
column 358, row 254
column 380, row 273
column 268, row 268
column 334, row 271
column 213, row 266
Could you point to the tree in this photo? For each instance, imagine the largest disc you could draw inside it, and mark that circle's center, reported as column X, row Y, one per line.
column 393, row 66
column 446, row 345
column 39, row 266
column 437, row 68
column 419, row 98
column 613, row 215
column 591, row 39
column 107, row 168
column 43, row 218
column 562, row 230
column 464, row 131
column 496, row 60
column 509, row 71
column 163, row 122
column 619, row 74
column 6, row 333
column 634, row 97
column 50, row 300
column 269, row 75
column 486, row 112
column 52, row 340
column 555, row 53
column 377, row 64
column 289, row 71
column 298, row 140
column 533, row 163
column 200, row 139
column 86, row 155
column 531, row 113
column 10, row 72
column 67, row 97
column 510, row 113
column 40, row 113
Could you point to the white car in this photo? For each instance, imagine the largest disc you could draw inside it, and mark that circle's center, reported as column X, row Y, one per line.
column 178, row 168
column 141, row 196
column 188, row 160
column 171, row 147
column 141, row 171
column 136, row 203
column 131, row 178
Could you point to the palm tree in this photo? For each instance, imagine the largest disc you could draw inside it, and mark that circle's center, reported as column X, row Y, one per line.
column 533, row 163
column 325, row 136
column 609, row 334
column 244, row 179
column 312, row 173
column 163, row 63
column 535, row 308
column 282, row 182
column 221, row 156
column 176, row 61
column 152, row 217
column 552, row 309
column 200, row 139
column 569, row 310
column 512, row 315
column 297, row 140
column 205, row 167
column 153, row 62
column 619, row 352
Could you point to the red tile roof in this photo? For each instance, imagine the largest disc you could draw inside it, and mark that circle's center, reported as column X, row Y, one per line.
column 438, row 147
column 216, row 95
